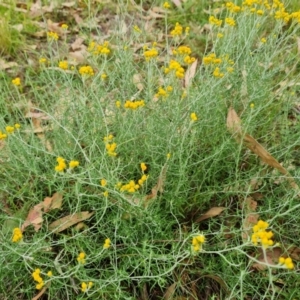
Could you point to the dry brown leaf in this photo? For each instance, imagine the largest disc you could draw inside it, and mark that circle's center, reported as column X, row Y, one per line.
column 42, row 292
column 234, row 127
column 78, row 57
column 170, row 291
column 34, row 218
column 35, row 215
column 7, row 65
column 77, row 44
column 248, row 223
column 160, row 183
column 233, row 122
column 68, row 4
column 53, row 202
column 190, row 73
column 138, row 81
column 177, row 3
column 218, row 279
column 55, row 27
column 294, row 252
column 213, row 212
column 77, row 18
column 68, row 221
column 271, row 258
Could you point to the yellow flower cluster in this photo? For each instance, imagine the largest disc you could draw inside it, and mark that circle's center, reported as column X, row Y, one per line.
column 151, row 53
column 73, row 164
column 217, row 73
column 211, row 59
column 81, row 258
column 86, row 71
column 287, row 262
column 175, row 66
column 86, row 286
column 137, row 29
column 17, row 235
column 37, row 278
column 163, row 93
column 64, row 26
column 166, row 5
column 177, row 31
column 64, row 65
column 260, row 235
column 16, row 81
column 61, row 164
column 197, row 242
column 184, row 50
column 214, row 21
column 232, row 7
column 52, row 36
column 230, row 21
column 110, row 146
column 194, row 117
column 134, row 104
column 143, row 167
column 130, row 187
column 43, row 60
column 9, row 130
column 98, row 49
column 106, row 244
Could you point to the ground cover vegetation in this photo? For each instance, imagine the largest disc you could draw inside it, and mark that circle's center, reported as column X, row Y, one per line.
column 149, row 150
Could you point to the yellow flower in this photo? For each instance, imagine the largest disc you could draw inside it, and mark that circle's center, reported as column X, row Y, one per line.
column 52, row 36
column 85, row 287
column 214, row 21
column 103, row 76
column 64, row 26
column 263, row 40
column 194, row 117
column 230, row 21
column 61, row 164
column 137, row 29
column 220, row 35
column 10, row 129
column 252, row 105
column 168, row 155
column 63, row 65
column 81, row 258
column 17, row 235
column 166, row 5
column 73, row 164
column 287, row 262
column 107, row 244
column 197, row 242
column 37, row 278
column 86, row 71
column 103, row 182
column 151, row 53
column 49, row 274
column 177, row 31
column 2, row 135
column 105, row 194
column 16, row 81
column 260, row 235
column 217, row 73
column 118, row 104
column 143, row 167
